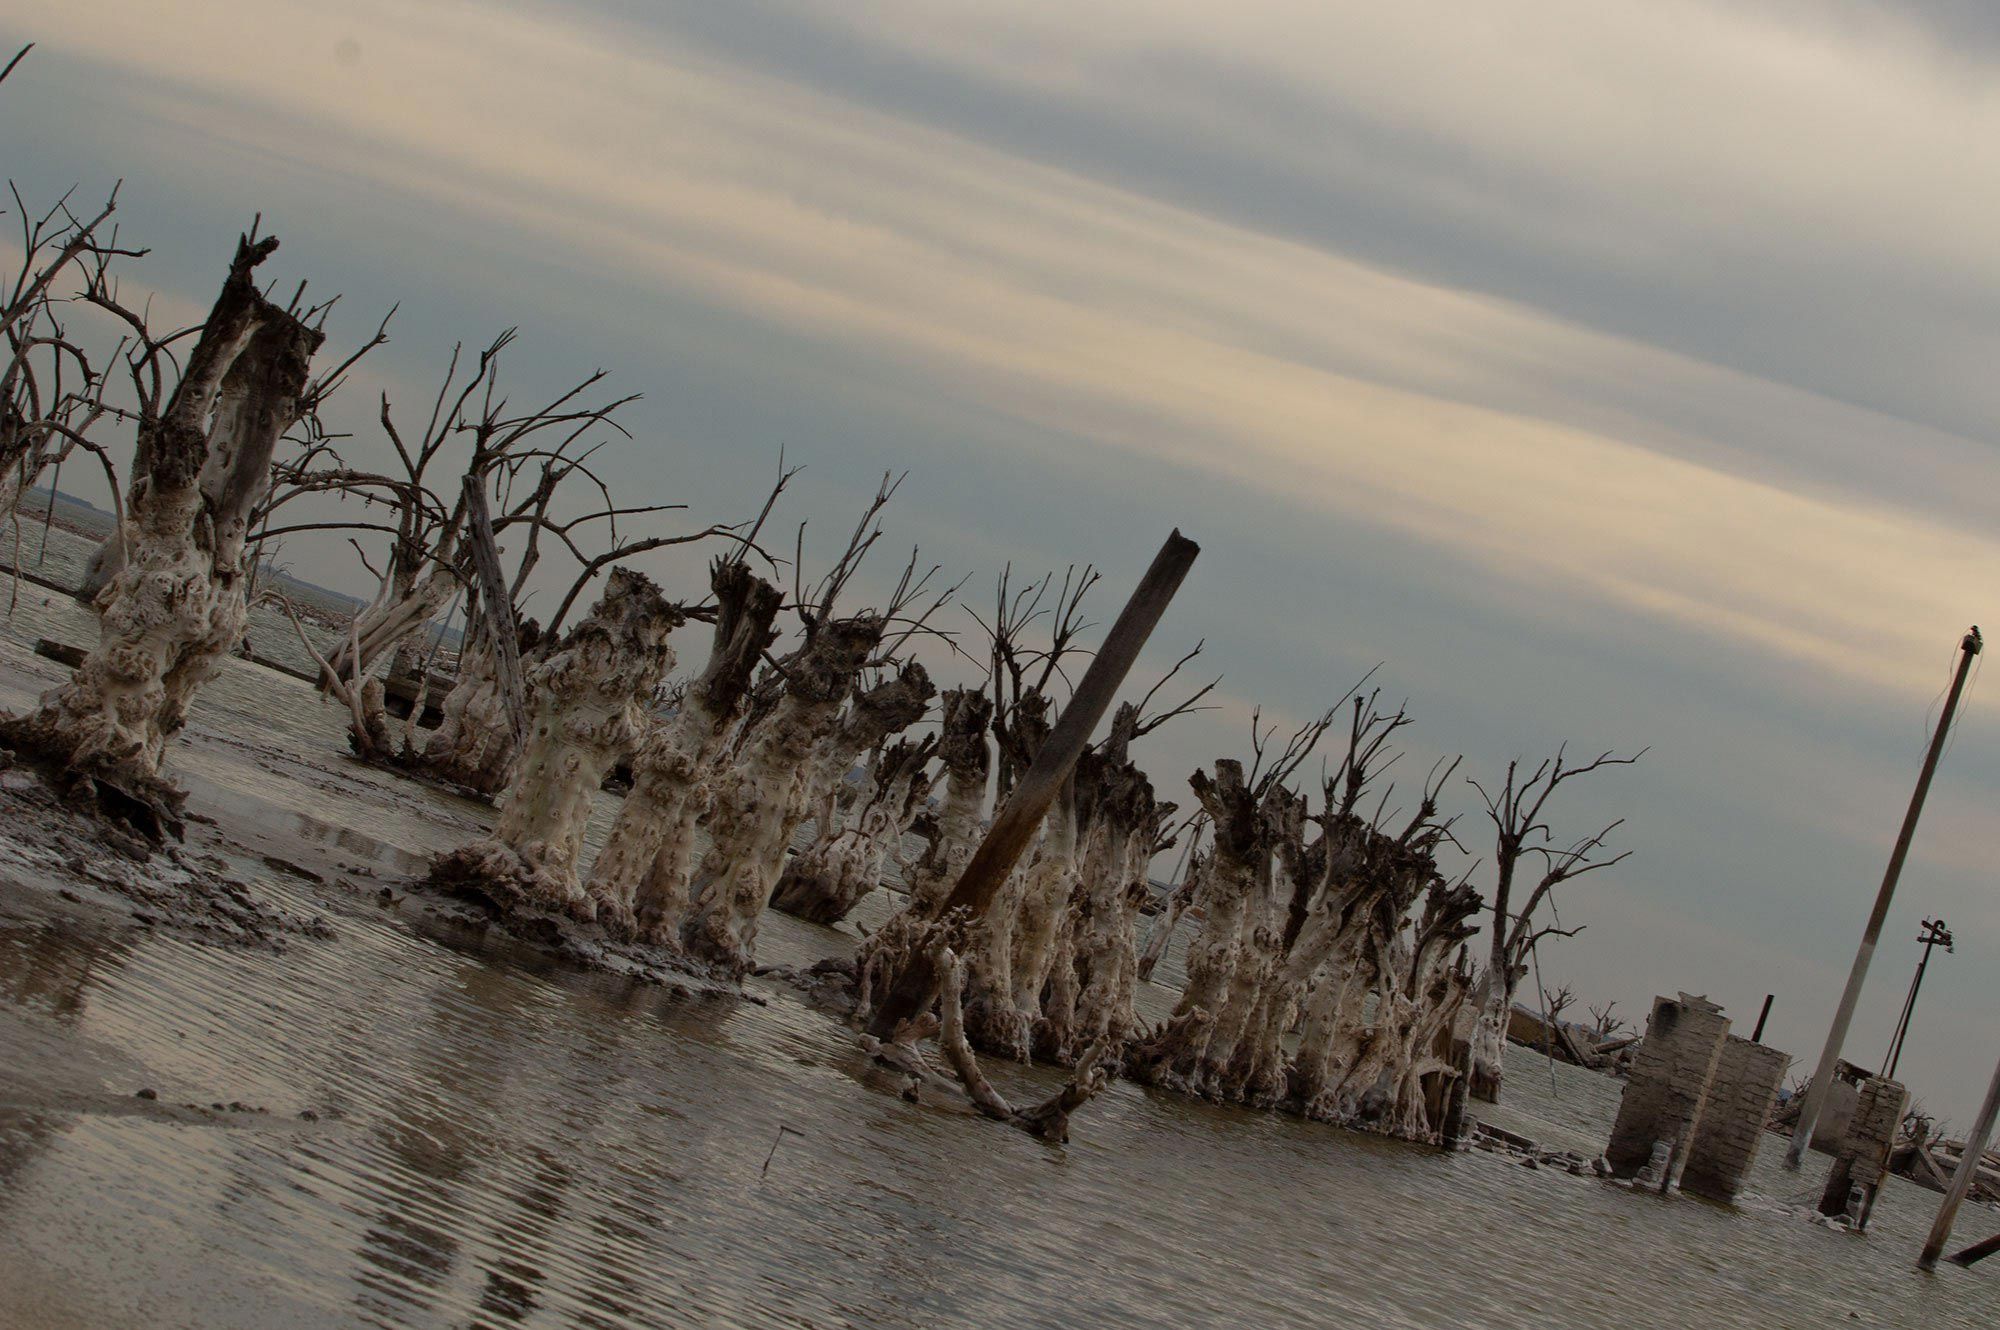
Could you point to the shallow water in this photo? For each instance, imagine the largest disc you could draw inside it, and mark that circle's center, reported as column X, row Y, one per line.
column 499, row 1142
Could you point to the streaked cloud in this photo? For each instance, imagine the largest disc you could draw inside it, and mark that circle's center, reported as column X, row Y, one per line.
column 1154, row 331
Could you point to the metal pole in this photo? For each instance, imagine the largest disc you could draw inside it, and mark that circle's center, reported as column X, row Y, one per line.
column 1757, row 1036
column 1961, row 1181
column 1822, row 1081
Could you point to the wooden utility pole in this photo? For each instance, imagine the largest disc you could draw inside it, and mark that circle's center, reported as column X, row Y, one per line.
column 1961, row 1180
column 1822, row 1081
column 1014, row 826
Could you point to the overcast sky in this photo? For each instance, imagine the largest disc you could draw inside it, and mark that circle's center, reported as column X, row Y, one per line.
column 1618, row 373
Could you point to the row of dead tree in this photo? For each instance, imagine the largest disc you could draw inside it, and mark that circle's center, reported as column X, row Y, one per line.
column 1329, row 971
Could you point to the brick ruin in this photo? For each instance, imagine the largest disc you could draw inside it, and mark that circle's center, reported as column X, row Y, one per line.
column 1695, row 1106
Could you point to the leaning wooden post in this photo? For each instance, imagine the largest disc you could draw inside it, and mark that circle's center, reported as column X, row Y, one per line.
column 1014, row 826
column 1961, row 1181
column 498, row 607
column 1822, row 1080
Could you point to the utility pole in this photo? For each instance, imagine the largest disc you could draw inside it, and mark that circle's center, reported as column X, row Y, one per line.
column 1961, row 1181
column 1935, row 934
column 1822, row 1080
column 1762, row 1016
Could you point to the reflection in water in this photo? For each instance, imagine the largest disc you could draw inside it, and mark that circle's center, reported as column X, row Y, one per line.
column 49, row 973
column 373, row 852
column 51, row 970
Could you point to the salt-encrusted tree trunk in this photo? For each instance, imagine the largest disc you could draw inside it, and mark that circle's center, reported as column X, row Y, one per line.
column 766, row 792
column 1402, row 970
column 1123, row 820
column 1052, row 1026
column 640, row 879
column 1259, row 946
column 1394, row 1014
column 967, row 761
column 178, row 605
column 1046, row 889
column 1161, row 935
column 1331, row 1022
column 1440, row 986
column 585, row 700
column 1325, row 876
column 1238, row 866
column 1247, row 906
column 1127, row 824
column 1492, row 998
column 1388, row 1073
column 870, row 719
column 995, row 1019
column 1368, row 877
column 859, row 826
column 474, row 744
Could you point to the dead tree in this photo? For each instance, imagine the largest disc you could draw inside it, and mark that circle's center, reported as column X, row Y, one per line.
column 1417, row 996
column 860, row 830
column 953, row 830
column 1014, row 947
column 782, row 751
column 855, row 828
column 901, row 968
column 533, row 472
column 766, row 792
column 1521, row 834
column 52, row 381
column 640, row 880
column 1127, row 829
column 1093, row 989
column 201, row 464
column 586, row 698
column 1249, row 814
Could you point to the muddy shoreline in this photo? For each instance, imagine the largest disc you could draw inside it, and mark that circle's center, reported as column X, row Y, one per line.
column 374, row 1105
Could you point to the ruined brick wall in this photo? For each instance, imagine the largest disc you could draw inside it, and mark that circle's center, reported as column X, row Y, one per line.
column 1864, row 1156
column 1670, row 1078
column 1731, row 1124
